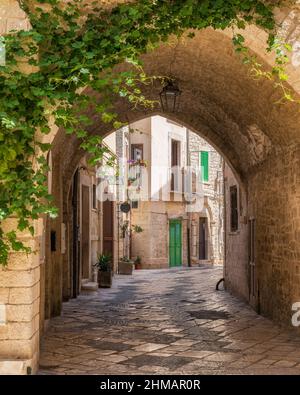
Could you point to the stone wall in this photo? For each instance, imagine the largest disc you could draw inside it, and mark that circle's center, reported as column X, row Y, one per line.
column 236, row 266
column 152, row 245
column 275, row 203
column 213, row 200
column 12, row 17
column 19, row 308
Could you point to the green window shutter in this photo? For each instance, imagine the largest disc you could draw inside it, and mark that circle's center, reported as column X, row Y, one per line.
column 204, row 166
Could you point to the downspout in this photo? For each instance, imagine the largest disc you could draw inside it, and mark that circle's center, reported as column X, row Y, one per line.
column 225, row 220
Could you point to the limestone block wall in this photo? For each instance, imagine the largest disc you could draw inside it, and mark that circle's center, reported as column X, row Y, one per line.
column 236, row 253
column 152, row 245
column 213, row 201
column 19, row 307
column 274, row 202
column 12, row 17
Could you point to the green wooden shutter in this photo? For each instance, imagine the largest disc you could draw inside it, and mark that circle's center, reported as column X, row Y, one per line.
column 204, row 166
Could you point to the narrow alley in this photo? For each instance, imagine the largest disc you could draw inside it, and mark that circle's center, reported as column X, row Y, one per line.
column 169, row 321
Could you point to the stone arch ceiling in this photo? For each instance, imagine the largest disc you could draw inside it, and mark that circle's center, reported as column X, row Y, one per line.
column 220, row 101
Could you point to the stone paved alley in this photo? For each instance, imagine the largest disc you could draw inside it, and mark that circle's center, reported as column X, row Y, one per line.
column 168, row 322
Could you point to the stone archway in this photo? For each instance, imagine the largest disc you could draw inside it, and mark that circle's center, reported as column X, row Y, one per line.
column 237, row 115
column 258, row 138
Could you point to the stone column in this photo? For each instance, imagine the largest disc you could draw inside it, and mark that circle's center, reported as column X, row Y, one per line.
column 19, row 306
column 20, row 280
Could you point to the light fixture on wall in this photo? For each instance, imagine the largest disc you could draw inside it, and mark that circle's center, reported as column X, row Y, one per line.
column 170, row 96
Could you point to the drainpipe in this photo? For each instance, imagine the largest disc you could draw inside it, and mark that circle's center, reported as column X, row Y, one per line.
column 225, row 220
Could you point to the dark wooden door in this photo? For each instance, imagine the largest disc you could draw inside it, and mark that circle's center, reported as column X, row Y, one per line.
column 202, row 239
column 85, row 232
column 108, row 228
column 75, row 236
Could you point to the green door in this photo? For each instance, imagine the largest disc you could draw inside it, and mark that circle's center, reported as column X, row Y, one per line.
column 175, row 243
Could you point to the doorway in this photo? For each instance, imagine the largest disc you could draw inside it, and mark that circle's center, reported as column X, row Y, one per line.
column 203, row 238
column 175, row 243
column 85, row 234
column 75, row 236
column 108, row 228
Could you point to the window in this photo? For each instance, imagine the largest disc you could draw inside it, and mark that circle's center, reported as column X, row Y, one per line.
column 135, row 204
column 94, row 197
column 234, row 218
column 135, row 172
column 175, row 163
column 204, row 164
column 203, row 238
column 137, row 151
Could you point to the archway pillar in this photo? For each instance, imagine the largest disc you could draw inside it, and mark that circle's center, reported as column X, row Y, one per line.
column 20, row 280
column 20, row 305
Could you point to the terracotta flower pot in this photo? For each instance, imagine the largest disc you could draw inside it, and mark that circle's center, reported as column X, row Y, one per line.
column 138, row 266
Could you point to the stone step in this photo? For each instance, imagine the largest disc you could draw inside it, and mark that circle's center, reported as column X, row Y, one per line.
column 89, row 286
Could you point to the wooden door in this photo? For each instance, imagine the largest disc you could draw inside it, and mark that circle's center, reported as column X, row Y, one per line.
column 175, row 243
column 108, row 227
column 202, row 239
column 85, row 232
column 75, row 237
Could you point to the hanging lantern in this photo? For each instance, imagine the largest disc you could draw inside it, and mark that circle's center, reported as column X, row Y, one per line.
column 170, row 96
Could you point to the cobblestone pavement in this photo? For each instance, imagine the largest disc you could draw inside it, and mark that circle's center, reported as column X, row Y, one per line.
column 168, row 322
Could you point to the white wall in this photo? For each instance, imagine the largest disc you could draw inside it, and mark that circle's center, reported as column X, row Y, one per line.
column 162, row 132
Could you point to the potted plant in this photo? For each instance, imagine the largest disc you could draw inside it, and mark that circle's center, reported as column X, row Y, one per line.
column 104, row 270
column 138, row 263
column 125, row 265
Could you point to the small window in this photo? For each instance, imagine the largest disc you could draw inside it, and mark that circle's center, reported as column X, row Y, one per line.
column 234, row 217
column 137, row 151
column 135, row 204
column 94, row 197
column 175, row 163
column 204, row 164
column 135, row 172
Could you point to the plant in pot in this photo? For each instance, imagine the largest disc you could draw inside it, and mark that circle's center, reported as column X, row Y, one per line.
column 104, row 270
column 138, row 263
column 125, row 265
